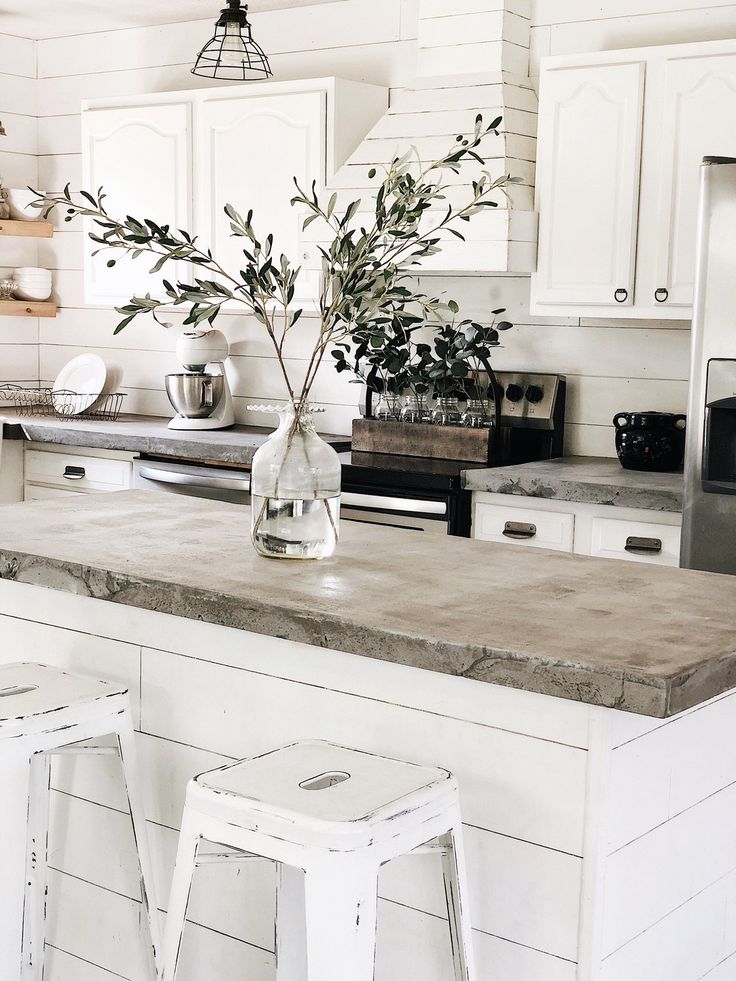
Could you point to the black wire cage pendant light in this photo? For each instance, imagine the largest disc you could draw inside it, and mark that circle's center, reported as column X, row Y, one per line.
column 232, row 53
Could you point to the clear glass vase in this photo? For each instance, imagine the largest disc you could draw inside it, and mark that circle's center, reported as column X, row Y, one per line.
column 476, row 415
column 415, row 409
column 388, row 408
column 446, row 411
column 295, row 489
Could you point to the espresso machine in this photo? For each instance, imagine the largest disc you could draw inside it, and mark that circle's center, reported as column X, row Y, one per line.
column 201, row 393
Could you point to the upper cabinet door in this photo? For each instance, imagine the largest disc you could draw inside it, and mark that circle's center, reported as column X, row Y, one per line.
column 142, row 157
column 696, row 118
column 250, row 149
column 590, row 130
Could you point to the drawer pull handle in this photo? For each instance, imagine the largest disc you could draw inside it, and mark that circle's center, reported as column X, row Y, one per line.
column 621, row 295
column 519, row 530
column 74, row 473
column 643, row 546
column 662, row 294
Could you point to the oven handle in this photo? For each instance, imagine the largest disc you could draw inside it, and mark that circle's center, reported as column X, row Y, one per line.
column 184, row 478
column 400, row 505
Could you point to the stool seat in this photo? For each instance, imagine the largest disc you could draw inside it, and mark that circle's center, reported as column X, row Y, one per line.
column 29, row 690
column 329, row 817
column 320, row 782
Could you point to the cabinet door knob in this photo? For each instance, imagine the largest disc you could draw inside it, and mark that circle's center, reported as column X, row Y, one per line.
column 621, row 295
column 661, row 295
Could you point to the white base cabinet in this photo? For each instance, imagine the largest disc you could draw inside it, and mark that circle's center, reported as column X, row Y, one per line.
column 58, row 471
column 622, row 135
column 631, row 534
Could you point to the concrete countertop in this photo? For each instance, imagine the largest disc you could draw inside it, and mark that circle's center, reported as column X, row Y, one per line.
column 584, row 480
column 147, row 434
column 636, row 637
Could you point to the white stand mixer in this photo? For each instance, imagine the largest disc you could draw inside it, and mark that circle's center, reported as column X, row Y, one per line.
column 201, row 393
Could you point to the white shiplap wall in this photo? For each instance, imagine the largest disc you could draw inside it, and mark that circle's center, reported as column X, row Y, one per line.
column 18, row 111
column 610, row 366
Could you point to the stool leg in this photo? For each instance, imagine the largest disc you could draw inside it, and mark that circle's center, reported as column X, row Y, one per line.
column 34, row 908
column 181, row 887
column 14, row 800
column 291, row 938
column 456, row 894
column 341, row 898
column 129, row 760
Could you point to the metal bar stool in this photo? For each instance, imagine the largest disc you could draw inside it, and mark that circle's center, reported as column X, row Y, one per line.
column 330, row 817
column 44, row 711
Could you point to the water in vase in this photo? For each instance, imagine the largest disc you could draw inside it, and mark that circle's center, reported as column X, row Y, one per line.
column 295, row 529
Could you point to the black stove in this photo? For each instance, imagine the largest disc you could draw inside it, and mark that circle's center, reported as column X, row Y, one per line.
column 427, row 495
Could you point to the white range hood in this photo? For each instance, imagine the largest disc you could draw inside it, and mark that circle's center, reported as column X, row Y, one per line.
column 472, row 57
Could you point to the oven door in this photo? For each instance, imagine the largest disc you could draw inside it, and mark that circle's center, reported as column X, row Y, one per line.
column 414, row 514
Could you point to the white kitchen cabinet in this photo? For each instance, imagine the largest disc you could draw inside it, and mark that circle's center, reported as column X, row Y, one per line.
column 588, row 188
column 622, row 135
column 633, row 534
column 142, row 156
column 697, row 119
column 252, row 149
column 58, row 471
column 179, row 157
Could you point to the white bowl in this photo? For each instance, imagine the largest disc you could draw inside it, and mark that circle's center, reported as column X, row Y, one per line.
column 38, row 293
column 19, row 199
column 37, row 283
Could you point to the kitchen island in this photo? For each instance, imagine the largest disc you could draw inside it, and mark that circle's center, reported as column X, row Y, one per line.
column 584, row 704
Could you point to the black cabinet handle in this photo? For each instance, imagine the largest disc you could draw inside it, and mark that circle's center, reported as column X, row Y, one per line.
column 519, row 530
column 643, row 546
column 661, row 295
column 621, row 295
column 74, row 473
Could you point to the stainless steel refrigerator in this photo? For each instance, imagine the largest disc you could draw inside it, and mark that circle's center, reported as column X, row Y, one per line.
column 709, row 514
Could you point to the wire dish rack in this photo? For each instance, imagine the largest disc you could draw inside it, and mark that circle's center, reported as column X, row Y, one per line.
column 60, row 403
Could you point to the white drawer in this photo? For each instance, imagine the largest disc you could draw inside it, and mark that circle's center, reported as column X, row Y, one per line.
column 637, row 541
column 524, row 526
column 76, row 472
column 37, row 492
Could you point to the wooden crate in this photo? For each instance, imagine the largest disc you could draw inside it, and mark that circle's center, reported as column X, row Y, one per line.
column 423, row 440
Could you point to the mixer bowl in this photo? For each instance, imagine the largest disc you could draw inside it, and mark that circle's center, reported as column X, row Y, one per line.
column 195, row 396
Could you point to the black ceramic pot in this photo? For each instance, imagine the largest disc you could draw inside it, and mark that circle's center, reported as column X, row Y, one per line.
column 653, row 441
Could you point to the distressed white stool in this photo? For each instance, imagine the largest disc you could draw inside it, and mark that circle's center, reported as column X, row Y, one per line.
column 44, row 711
column 330, row 817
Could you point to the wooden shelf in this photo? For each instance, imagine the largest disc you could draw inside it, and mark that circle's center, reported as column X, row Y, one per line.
column 27, row 308
column 26, row 229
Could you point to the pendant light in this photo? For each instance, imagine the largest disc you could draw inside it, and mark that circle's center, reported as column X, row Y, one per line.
column 232, row 53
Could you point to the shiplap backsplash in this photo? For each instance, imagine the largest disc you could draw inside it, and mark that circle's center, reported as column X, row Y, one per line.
column 609, row 366
column 19, row 351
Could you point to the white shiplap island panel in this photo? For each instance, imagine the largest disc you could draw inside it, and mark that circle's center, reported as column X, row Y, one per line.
column 599, row 842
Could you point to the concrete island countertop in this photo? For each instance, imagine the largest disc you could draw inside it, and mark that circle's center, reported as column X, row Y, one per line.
column 640, row 638
column 147, row 434
column 584, row 480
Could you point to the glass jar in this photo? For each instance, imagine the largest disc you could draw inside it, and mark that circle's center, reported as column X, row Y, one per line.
column 295, row 489
column 476, row 415
column 415, row 409
column 446, row 411
column 388, row 408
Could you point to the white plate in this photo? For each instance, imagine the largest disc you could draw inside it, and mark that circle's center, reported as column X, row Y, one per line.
column 84, row 375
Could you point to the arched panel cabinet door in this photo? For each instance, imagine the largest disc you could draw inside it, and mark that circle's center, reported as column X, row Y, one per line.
column 249, row 150
column 590, row 130
column 698, row 118
column 142, row 156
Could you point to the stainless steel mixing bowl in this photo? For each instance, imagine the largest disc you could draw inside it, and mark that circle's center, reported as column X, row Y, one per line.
column 195, row 396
